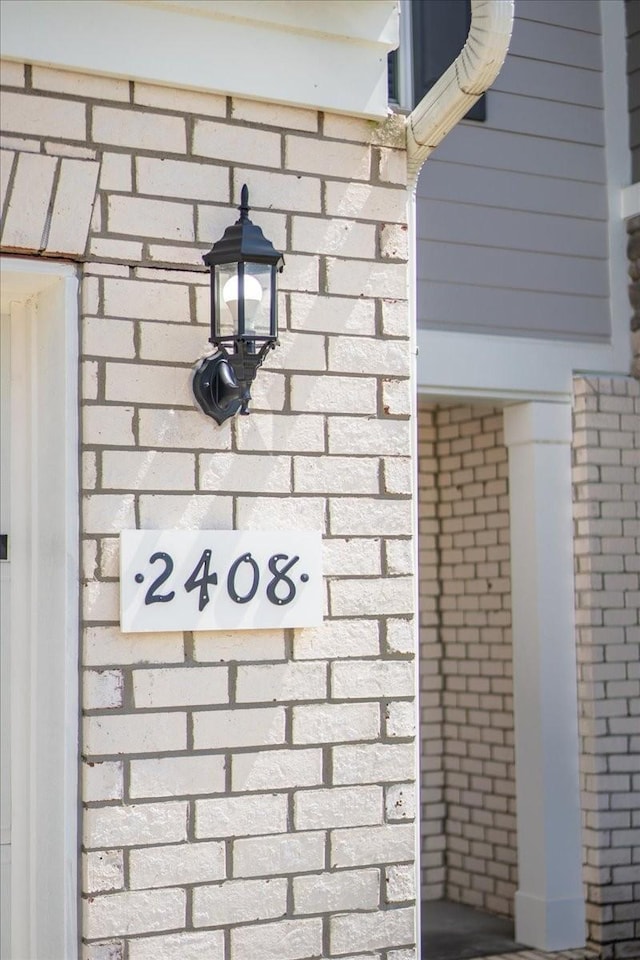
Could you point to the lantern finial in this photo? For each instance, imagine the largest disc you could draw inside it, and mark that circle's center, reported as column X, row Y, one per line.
column 244, row 203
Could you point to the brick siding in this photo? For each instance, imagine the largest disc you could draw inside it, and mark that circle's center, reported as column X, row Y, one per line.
column 244, row 795
column 606, row 477
column 468, row 787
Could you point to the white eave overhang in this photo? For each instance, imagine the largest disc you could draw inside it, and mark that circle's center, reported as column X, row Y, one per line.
column 323, row 54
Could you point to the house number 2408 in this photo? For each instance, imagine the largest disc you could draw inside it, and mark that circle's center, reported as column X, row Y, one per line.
column 243, row 580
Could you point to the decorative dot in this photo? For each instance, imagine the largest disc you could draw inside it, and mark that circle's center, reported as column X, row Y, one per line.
column 139, row 578
column 304, row 577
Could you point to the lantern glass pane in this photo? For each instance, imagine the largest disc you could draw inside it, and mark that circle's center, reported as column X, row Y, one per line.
column 226, row 298
column 257, row 299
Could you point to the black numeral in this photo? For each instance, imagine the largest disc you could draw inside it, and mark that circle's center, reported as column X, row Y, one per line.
column 231, row 579
column 280, row 576
column 152, row 596
column 203, row 581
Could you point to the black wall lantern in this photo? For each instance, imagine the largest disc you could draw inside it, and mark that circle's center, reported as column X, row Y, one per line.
column 244, row 315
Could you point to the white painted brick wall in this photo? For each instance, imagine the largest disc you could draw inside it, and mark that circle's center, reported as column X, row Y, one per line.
column 372, row 763
column 607, row 581
column 332, row 314
column 102, row 689
column 39, row 116
column 123, row 914
column 144, row 733
column 368, row 437
column 176, row 776
column 103, row 870
column 327, row 159
column 178, row 687
column 349, row 598
column 222, row 767
column 276, row 769
column 280, row 682
column 343, row 890
column 272, row 855
column 340, row 638
column 207, row 945
column 371, row 931
column 334, row 723
column 239, row 901
column 220, row 729
column 334, row 394
column 344, row 556
column 135, row 824
column 235, row 143
column 241, row 816
column 466, row 727
column 181, row 178
column 361, row 845
column 173, row 865
column 137, row 129
column 274, row 115
column 285, row 940
column 337, row 807
column 139, row 217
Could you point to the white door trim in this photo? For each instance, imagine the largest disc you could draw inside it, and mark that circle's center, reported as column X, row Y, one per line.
column 42, row 301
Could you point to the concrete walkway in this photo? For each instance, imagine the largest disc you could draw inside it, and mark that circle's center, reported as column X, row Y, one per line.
column 583, row 954
column 454, row 931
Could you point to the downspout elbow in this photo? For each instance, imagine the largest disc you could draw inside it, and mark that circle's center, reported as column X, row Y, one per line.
column 462, row 84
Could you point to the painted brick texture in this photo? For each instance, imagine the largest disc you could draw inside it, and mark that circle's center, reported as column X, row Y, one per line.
column 606, row 474
column 466, row 701
column 217, row 822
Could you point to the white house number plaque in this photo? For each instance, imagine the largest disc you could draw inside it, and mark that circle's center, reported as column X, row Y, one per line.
column 219, row 580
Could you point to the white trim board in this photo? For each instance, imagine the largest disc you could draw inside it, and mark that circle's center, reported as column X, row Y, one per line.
column 513, row 368
column 630, row 201
column 326, row 55
column 44, row 548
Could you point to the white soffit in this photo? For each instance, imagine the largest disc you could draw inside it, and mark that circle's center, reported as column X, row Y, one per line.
column 329, row 55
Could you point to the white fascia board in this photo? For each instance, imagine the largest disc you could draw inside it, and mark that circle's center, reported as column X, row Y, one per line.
column 370, row 21
column 306, row 54
column 512, row 368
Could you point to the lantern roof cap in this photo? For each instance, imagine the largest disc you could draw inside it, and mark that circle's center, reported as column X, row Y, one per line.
column 242, row 241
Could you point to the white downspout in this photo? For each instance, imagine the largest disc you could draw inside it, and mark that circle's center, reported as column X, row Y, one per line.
column 462, row 84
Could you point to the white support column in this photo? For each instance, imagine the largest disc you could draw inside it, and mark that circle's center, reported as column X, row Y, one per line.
column 550, row 901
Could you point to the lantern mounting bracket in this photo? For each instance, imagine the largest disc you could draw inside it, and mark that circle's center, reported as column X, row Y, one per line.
column 222, row 382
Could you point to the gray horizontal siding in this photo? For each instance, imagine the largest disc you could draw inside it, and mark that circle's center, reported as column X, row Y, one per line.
column 554, row 44
column 472, row 309
column 512, row 213
column 563, row 13
column 517, row 191
column 544, row 272
column 523, row 154
column 555, row 81
column 517, row 229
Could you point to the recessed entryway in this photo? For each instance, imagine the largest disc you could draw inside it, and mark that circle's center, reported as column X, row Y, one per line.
column 499, row 781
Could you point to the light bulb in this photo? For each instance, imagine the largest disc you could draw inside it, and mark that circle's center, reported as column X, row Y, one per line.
column 252, row 296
